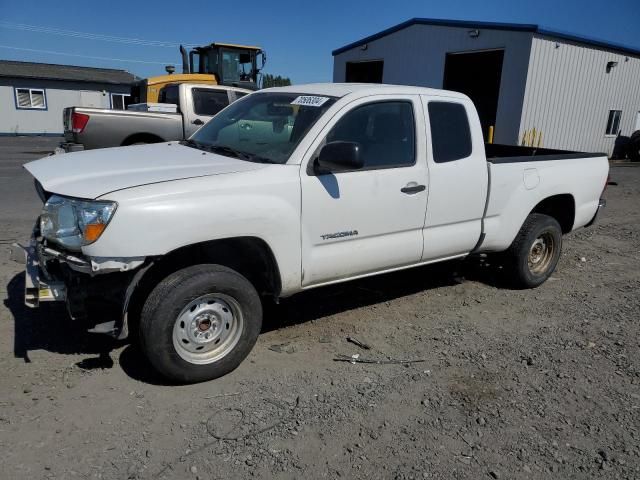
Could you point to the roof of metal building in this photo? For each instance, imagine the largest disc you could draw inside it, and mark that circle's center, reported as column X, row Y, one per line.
column 49, row 71
column 517, row 27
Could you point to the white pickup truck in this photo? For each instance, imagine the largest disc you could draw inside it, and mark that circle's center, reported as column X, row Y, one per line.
column 285, row 190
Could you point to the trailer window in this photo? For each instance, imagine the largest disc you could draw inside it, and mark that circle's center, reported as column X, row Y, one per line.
column 30, row 98
column 120, row 101
column 450, row 132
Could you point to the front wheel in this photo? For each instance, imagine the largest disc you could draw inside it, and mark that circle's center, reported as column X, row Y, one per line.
column 200, row 323
column 534, row 254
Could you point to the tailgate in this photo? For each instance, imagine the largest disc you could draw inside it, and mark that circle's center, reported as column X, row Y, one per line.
column 66, row 124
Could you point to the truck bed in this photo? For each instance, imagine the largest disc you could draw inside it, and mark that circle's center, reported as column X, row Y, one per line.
column 112, row 128
column 521, row 177
column 497, row 153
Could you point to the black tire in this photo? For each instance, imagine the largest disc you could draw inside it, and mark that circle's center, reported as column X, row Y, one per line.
column 633, row 147
column 167, row 302
column 620, row 148
column 534, row 254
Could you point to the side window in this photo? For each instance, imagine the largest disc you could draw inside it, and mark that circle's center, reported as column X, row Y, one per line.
column 450, row 133
column 209, row 102
column 384, row 130
column 613, row 122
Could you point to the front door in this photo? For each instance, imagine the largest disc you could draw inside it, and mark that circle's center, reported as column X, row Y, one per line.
column 367, row 220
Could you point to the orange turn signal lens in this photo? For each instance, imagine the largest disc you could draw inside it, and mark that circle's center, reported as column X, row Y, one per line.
column 93, row 231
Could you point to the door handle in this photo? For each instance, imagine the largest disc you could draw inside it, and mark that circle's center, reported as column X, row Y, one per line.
column 197, row 121
column 412, row 188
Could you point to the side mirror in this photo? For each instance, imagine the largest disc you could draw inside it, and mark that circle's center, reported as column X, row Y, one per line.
column 340, row 157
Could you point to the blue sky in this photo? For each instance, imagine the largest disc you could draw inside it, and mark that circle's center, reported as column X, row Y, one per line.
column 297, row 35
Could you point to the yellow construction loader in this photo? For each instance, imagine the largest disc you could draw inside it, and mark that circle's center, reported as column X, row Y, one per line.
column 214, row 64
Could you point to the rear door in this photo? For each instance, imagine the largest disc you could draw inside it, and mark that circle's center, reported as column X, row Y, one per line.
column 458, row 178
column 205, row 103
column 371, row 219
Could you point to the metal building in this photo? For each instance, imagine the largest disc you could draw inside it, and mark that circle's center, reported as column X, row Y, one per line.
column 534, row 86
column 33, row 95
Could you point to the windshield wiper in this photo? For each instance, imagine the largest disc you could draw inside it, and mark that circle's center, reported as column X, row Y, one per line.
column 228, row 151
column 259, row 159
column 192, row 144
column 251, row 157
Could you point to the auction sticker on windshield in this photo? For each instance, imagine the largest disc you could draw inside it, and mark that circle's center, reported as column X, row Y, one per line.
column 310, row 101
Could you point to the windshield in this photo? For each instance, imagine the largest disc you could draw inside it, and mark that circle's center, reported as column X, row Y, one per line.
column 236, row 66
column 262, row 127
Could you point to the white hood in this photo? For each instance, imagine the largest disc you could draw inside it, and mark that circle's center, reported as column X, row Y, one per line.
column 93, row 173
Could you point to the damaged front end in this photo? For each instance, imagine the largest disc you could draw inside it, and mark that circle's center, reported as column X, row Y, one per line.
column 95, row 290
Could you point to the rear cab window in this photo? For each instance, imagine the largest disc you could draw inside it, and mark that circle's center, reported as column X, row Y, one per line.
column 170, row 94
column 450, row 131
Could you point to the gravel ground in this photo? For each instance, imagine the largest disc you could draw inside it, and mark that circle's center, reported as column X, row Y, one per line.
column 512, row 384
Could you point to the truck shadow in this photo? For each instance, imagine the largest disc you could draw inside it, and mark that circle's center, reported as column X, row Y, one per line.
column 322, row 302
column 50, row 328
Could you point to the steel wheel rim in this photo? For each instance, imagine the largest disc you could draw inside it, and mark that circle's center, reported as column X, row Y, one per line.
column 208, row 328
column 541, row 253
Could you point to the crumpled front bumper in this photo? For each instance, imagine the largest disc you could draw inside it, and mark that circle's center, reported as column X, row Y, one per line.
column 39, row 286
column 52, row 275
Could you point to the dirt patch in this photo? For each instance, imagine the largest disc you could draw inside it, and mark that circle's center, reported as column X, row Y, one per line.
column 513, row 384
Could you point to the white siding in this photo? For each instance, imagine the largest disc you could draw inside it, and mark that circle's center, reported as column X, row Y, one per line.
column 569, row 94
column 49, row 121
column 416, row 56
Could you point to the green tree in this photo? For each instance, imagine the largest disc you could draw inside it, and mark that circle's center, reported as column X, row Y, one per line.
column 269, row 80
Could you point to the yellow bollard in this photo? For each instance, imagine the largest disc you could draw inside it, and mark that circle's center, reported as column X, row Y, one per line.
column 491, row 134
column 533, row 137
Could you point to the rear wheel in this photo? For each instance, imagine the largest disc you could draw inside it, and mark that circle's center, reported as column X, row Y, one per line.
column 200, row 323
column 534, row 254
